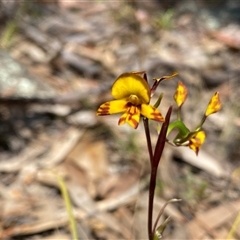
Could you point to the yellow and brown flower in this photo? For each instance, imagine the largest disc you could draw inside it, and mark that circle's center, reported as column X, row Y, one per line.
column 132, row 97
column 197, row 141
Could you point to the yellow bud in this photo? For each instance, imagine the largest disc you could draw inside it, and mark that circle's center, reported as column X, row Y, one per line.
column 196, row 141
column 214, row 105
column 180, row 94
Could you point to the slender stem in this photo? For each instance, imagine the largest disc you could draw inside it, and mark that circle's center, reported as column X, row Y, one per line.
column 151, row 190
column 152, row 177
column 201, row 123
column 154, row 165
column 150, row 201
column 179, row 113
column 148, row 137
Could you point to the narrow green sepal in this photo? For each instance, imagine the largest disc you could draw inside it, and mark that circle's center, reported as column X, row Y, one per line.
column 156, row 105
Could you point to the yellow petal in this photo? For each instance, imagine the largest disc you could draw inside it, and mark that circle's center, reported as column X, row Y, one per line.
column 196, row 141
column 151, row 112
column 180, row 94
column 214, row 105
column 131, row 116
column 111, row 107
column 131, row 84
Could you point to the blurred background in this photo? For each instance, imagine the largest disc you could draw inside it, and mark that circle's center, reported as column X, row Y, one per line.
column 58, row 60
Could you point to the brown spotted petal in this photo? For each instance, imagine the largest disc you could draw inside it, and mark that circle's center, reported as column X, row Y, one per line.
column 197, row 141
column 151, row 112
column 131, row 116
column 112, row 107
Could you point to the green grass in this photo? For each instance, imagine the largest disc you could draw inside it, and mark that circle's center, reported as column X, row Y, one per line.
column 68, row 204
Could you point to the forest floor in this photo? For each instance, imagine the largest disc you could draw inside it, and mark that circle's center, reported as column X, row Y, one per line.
column 58, row 62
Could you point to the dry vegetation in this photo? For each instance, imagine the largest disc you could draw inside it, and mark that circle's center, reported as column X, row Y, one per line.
column 58, row 60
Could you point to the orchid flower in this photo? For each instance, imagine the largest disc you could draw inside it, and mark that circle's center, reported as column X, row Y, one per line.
column 132, row 95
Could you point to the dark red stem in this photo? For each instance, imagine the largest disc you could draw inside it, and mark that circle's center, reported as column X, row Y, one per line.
column 149, row 142
column 154, row 165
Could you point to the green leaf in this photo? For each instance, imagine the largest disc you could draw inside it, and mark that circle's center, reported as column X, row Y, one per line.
column 183, row 131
